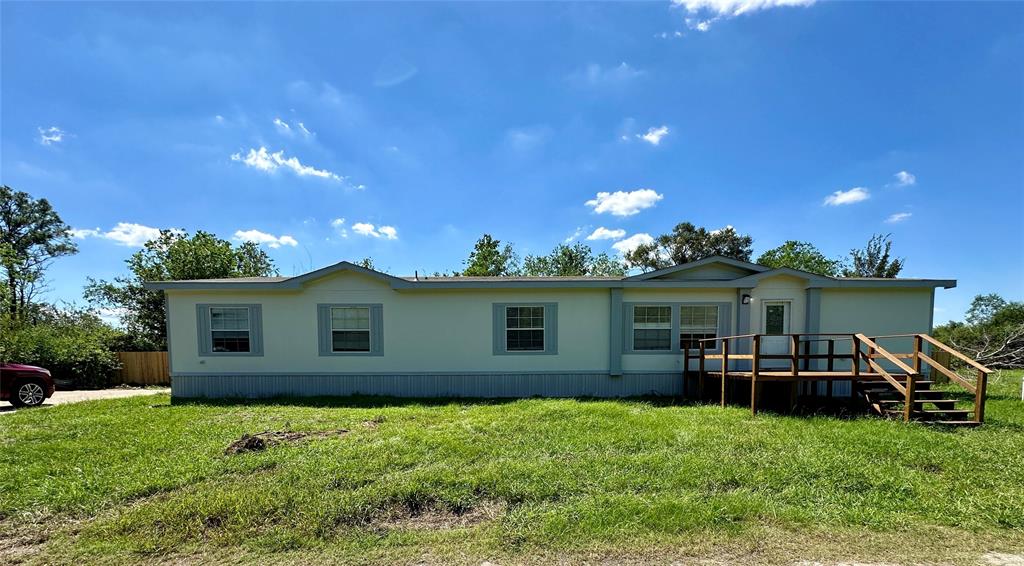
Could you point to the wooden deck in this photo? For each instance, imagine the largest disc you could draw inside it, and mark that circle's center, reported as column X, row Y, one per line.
column 890, row 383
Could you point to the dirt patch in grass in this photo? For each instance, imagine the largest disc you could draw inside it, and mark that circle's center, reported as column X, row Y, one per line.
column 19, row 543
column 263, row 440
column 436, row 517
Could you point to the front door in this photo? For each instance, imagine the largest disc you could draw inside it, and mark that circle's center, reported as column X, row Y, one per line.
column 775, row 327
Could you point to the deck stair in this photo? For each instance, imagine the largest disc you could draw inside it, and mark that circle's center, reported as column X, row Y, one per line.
column 890, row 384
column 930, row 405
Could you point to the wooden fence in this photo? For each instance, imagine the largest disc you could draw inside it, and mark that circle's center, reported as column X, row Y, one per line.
column 144, row 368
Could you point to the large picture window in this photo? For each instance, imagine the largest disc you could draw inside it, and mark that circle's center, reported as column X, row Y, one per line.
column 229, row 329
column 350, row 329
column 697, row 322
column 524, row 328
column 652, row 327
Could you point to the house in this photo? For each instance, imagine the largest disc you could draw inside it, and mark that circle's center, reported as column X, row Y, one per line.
column 345, row 330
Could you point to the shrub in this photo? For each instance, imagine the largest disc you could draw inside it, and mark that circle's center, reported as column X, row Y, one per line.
column 75, row 345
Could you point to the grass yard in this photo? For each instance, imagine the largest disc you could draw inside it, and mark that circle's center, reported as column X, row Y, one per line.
column 139, row 480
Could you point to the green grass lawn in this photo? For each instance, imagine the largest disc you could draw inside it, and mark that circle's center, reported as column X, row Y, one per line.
column 521, row 481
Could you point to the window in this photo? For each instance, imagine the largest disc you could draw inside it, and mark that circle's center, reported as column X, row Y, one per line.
column 350, row 329
column 696, row 323
column 652, row 328
column 229, row 329
column 524, row 329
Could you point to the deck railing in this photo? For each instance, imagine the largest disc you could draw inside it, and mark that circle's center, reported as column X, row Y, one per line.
column 863, row 350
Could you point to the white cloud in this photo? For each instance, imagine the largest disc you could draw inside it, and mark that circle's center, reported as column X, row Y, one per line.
column 707, row 12
column 282, row 126
column 596, row 75
column 123, row 233
column 51, row 135
column 270, row 240
column 339, row 226
column 219, row 119
column 851, row 196
column 632, row 242
column 654, row 135
column 603, row 233
column 905, row 179
column 622, row 203
column 305, row 132
column 898, row 217
column 367, row 229
column 575, row 234
column 263, row 160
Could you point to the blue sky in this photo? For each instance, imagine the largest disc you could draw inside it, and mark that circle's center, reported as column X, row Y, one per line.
column 423, row 126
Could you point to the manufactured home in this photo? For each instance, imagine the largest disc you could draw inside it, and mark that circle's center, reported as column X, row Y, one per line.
column 346, row 330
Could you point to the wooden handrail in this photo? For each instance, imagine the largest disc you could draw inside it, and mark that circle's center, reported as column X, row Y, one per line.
column 949, row 373
column 956, row 354
column 892, row 380
column 885, row 353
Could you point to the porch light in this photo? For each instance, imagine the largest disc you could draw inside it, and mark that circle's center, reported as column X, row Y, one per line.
column 745, row 299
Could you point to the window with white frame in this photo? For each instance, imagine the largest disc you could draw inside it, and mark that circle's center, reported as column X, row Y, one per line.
column 652, row 327
column 697, row 322
column 524, row 329
column 229, row 329
column 350, row 329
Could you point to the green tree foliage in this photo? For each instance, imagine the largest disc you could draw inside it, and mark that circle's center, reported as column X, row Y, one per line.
column 32, row 235
column 993, row 333
column 803, row 256
column 575, row 260
column 75, row 345
column 490, row 259
column 172, row 256
column 688, row 243
column 366, row 262
column 874, row 260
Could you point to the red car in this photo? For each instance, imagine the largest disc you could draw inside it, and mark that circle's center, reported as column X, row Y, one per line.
column 25, row 386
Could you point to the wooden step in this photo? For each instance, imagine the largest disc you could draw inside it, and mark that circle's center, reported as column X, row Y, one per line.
column 953, row 423
column 933, row 412
column 945, row 402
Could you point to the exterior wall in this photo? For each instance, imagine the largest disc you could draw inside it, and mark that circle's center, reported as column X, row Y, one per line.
column 423, row 331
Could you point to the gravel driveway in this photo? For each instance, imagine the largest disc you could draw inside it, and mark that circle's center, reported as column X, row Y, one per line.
column 61, row 397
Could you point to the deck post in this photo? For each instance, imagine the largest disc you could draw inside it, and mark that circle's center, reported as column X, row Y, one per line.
column 979, row 397
column 794, row 353
column 686, row 368
column 908, row 408
column 700, row 372
column 856, row 357
column 725, row 367
column 918, row 343
column 755, row 367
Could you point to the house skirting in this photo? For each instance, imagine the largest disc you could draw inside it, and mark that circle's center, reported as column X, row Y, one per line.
column 478, row 385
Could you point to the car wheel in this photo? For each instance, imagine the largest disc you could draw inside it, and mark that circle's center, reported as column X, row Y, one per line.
column 28, row 394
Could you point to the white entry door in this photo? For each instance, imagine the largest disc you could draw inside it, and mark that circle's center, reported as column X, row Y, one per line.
column 775, row 326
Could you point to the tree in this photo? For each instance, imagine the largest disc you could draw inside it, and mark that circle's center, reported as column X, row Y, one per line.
column 489, row 259
column 575, row 260
column 874, row 260
column 366, row 262
column 172, row 256
column 993, row 333
column 984, row 308
column 689, row 243
column 32, row 235
column 803, row 256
